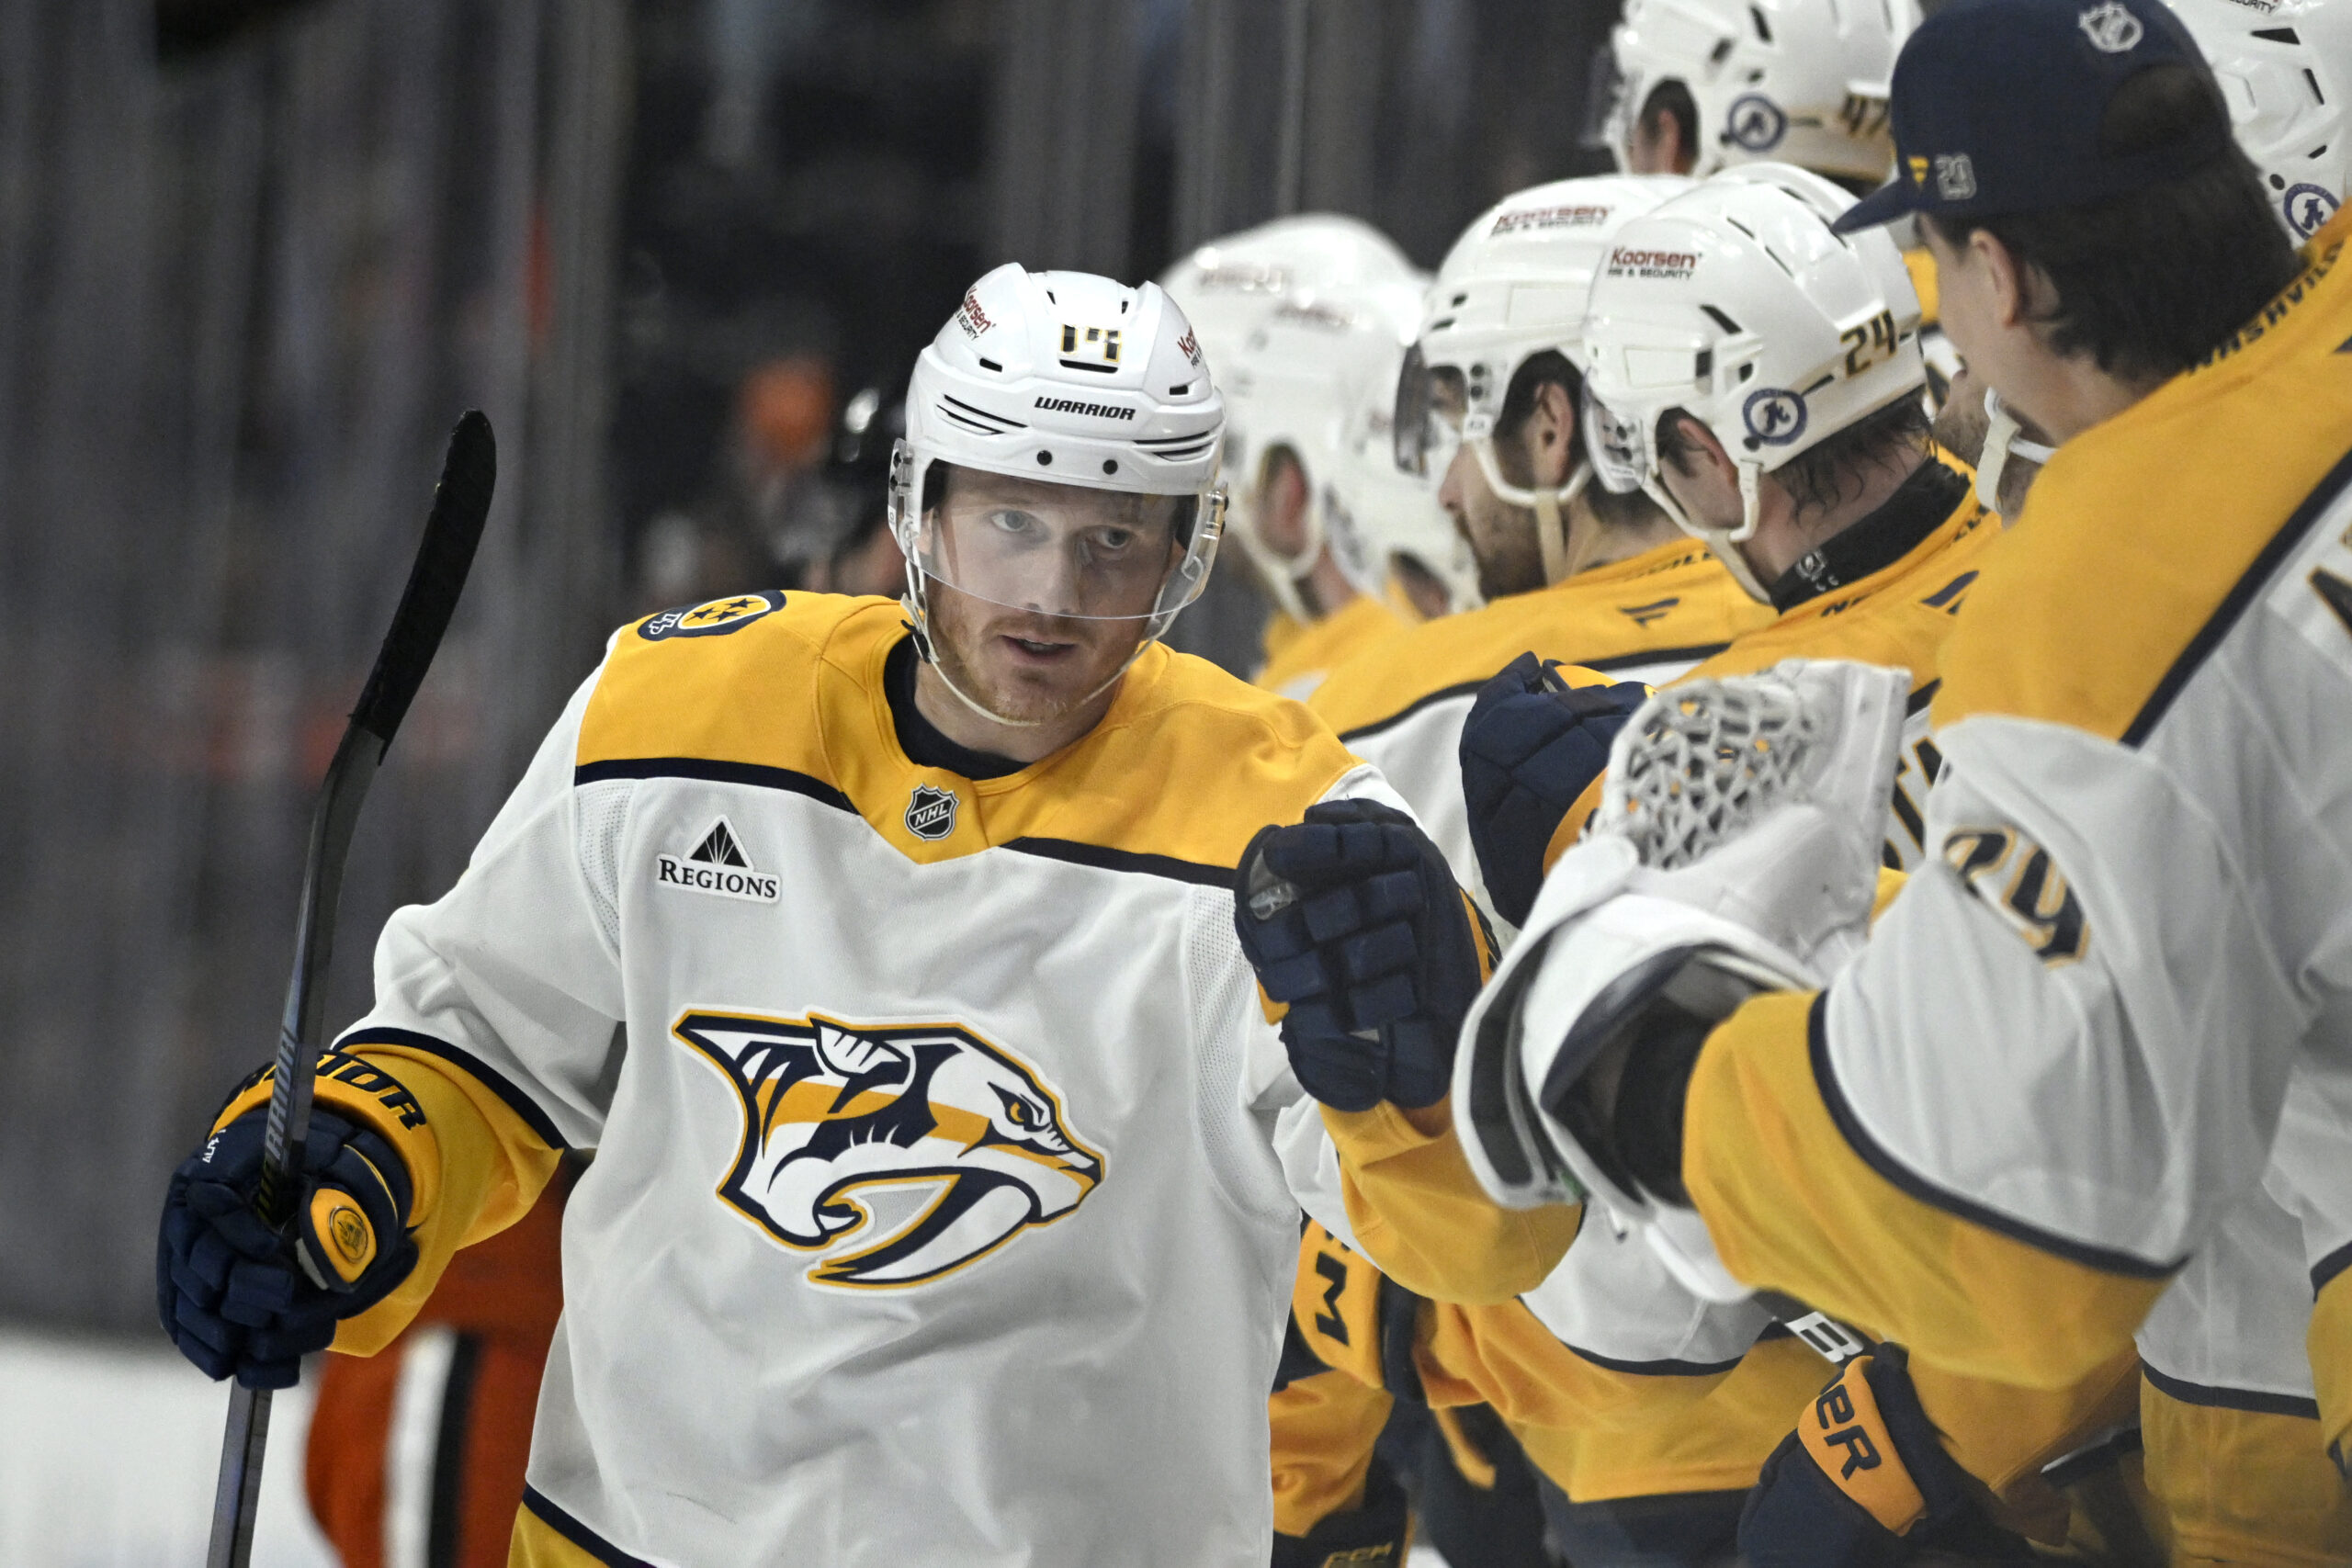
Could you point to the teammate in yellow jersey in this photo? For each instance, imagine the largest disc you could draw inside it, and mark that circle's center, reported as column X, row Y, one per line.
column 1485, row 416
column 1647, row 1408
column 2090, row 1061
column 948, row 1168
column 1486, row 411
column 1297, row 319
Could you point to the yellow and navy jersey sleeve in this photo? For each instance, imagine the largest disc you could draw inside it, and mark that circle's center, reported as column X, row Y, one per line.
column 497, row 1011
column 1300, row 657
column 1328, row 1412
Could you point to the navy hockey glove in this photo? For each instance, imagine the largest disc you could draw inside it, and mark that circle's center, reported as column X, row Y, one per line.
column 236, row 1296
column 1865, row 1483
column 1532, row 746
column 1352, row 919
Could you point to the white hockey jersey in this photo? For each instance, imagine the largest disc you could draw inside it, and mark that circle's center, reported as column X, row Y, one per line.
column 935, row 1214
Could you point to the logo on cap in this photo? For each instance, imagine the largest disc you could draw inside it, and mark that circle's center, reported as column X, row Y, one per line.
column 2111, row 29
column 1775, row 416
column 2308, row 207
column 1756, row 123
column 1956, row 176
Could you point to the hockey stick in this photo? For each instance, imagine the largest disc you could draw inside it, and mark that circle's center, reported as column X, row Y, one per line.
column 460, row 503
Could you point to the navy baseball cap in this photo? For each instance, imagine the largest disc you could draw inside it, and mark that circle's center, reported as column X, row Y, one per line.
column 1996, row 106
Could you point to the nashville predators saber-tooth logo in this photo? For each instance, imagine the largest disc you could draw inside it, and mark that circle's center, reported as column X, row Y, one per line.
column 837, row 1117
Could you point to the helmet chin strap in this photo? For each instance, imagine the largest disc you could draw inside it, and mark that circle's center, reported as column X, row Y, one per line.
column 2003, row 443
column 1549, row 503
column 1723, row 542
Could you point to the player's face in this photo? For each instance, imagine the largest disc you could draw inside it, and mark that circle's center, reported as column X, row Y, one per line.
column 1501, row 537
column 1040, row 592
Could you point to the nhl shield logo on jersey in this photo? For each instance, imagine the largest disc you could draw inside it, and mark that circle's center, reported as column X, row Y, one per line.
column 931, row 812
column 713, row 617
column 902, row 1152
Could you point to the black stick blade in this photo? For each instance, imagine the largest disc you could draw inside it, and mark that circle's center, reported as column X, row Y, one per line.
column 460, row 505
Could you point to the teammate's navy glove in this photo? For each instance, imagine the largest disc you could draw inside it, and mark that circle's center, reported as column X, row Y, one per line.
column 1865, row 1483
column 236, row 1296
column 1352, row 919
column 1532, row 745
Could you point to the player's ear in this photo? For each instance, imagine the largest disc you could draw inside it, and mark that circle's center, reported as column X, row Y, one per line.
column 1550, row 434
column 2010, row 288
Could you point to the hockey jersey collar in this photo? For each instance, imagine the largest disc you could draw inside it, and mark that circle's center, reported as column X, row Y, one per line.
column 1920, row 505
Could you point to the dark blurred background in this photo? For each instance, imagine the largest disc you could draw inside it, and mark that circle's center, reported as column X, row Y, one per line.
column 255, row 257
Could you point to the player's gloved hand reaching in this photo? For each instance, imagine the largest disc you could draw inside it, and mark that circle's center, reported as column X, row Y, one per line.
column 1532, row 746
column 237, row 1296
column 1865, row 1483
column 1352, row 920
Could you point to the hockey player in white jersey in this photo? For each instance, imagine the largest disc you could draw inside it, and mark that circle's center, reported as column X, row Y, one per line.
column 884, row 953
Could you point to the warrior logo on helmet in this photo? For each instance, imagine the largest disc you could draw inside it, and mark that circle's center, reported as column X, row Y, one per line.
column 902, row 1152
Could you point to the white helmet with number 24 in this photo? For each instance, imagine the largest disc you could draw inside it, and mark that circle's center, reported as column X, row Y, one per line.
column 1072, row 380
column 1737, row 304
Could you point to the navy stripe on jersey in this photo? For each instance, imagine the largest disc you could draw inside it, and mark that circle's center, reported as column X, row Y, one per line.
column 1663, row 1368
column 751, row 773
column 2329, row 1266
column 1903, row 1178
column 2256, row 579
column 522, row 1104
column 1073, row 852
column 1443, row 694
column 2189, row 1392
column 1470, row 688
column 580, row 1535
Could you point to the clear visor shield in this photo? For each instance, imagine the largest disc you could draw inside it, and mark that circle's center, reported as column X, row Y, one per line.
column 1063, row 550
column 1432, row 409
column 1618, row 448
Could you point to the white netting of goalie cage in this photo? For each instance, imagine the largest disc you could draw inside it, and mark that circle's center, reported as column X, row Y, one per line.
column 1702, row 761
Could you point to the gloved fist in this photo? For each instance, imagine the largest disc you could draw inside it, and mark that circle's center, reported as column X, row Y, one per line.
column 237, row 1296
column 1532, row 745
column 1352, row 919
column 1865, row 1483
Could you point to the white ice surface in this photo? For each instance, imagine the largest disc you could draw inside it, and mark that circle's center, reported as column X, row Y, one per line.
column 107, row 1455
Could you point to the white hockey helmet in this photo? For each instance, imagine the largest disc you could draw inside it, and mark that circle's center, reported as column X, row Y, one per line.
column 1387, row 524
column 1512, row 287
column 1075, row 380
column 1802, row 82
column 2284, row 70
column 1227, row 287
column 1737, row 304
column 1294, row 385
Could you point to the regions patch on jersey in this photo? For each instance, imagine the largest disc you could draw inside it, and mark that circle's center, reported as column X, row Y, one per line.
column 902, row 1151
column 713, row 617
column 717, row 864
